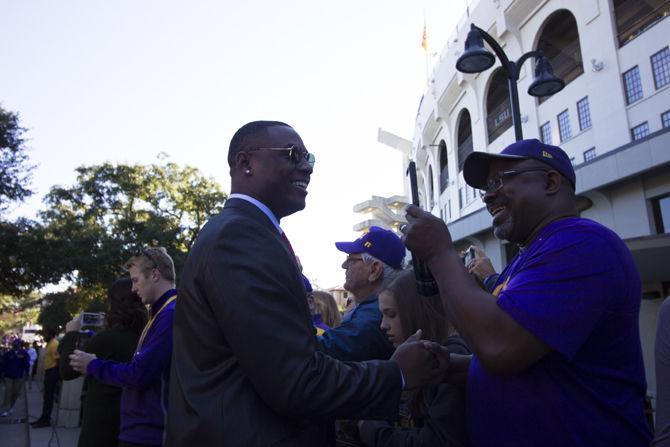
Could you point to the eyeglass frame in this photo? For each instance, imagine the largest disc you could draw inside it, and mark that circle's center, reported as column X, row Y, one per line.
column 293, row 149
column 488, row 187
column 147, row 254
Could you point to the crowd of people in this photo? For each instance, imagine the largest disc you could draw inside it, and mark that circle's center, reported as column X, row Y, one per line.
column 245, row 352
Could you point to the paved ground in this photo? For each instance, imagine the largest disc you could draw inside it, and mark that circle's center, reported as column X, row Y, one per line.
column 15, row 430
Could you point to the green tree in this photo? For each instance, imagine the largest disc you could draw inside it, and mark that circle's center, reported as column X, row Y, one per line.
column 24, row 265
column 112, row 211
column 14, row 168
column 58, row 309
column 19, row 266
column 13, row 314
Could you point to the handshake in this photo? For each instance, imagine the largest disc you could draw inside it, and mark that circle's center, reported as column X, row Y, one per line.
column 425, row 362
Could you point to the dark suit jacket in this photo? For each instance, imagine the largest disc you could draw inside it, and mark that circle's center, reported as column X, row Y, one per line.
column 245, row 369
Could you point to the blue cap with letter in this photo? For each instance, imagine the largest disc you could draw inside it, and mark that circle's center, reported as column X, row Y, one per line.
column 476, row 167
column 382, row 244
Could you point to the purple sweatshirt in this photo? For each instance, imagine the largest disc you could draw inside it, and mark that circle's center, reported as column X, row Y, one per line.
column 16, row 363
column 144, row 379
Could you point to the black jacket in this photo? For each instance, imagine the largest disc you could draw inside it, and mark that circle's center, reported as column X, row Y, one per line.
column 100, row 422
column 245, row 365
column 443, row 425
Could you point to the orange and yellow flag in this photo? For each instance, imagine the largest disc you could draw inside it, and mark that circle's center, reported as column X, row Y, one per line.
column 424, row 43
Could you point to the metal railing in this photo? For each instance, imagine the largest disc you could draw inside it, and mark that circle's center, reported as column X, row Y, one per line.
column 632, row 19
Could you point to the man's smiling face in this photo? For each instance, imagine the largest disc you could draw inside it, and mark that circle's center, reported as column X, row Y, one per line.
column 517, row 206
column 280, row 183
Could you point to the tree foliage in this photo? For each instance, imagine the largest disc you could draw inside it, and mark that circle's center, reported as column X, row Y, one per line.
column 14, row 168
column 13, row 315
column 19, row 246
column 88, row 230
column 112, row 211
column 58, row 309
column 25, row 264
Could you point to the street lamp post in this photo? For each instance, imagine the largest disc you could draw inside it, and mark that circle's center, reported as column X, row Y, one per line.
column 476, row 59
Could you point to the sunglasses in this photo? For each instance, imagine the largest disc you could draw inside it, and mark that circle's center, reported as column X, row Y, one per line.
column 147, row 254
column 295, row 154
column 496, row 182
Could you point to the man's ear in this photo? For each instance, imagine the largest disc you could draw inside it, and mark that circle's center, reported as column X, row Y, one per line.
column 242, row 161
column 376, row 271
column 553, row 182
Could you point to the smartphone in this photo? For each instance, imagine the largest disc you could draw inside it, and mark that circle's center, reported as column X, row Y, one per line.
column 92, row 319
column 469, row 256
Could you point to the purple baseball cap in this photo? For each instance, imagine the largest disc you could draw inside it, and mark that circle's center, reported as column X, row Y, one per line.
column 476, row 167
column 383, row 244
column 308, row 285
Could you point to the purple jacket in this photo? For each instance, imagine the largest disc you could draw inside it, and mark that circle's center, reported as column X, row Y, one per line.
column 144, row 379
column 16, row 363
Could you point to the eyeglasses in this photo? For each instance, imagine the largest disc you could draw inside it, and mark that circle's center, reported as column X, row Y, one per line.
column 294, row 153
column 147, row 254
column 352, row 259
column 496, row 182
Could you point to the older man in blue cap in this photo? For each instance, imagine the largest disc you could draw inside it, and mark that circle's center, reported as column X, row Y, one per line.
column 372, row 260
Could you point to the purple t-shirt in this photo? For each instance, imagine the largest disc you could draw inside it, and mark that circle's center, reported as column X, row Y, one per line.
column 575, row 287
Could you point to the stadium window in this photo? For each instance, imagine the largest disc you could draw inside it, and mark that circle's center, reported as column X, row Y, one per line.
column 464, row 138
column 584, row 113
column 559, row 42
column 564, row 130
column 633, row 17
column 444, row 166
column 545, row 133
column 665, row 119
column 661, row 211
column 589, row 155
column 632, row 85
column 639, row 131
column 498, row 110
column 660, row 66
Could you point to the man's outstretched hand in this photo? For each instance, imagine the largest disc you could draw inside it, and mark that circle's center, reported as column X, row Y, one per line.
column 421, row 362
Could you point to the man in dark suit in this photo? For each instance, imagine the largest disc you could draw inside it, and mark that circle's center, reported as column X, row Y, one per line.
column 246, row 369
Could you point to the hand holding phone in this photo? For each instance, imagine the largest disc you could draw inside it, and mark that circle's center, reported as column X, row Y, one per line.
column 469, row 256
column 92, row 319
column 425, row 283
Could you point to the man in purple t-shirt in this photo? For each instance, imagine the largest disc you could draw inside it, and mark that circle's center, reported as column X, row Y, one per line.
column 557, row 357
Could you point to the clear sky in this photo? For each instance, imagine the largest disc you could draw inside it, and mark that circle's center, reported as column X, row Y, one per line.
column 122, row 81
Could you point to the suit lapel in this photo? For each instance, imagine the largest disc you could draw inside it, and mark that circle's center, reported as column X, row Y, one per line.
column 253, row 212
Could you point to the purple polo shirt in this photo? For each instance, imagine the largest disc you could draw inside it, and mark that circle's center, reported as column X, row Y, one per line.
column 575, row 287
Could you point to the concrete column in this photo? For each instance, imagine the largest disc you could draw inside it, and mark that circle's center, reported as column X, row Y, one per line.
column 69, row 404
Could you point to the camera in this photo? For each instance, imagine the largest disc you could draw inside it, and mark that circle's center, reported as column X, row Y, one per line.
column 92, row 319
column 469, row 256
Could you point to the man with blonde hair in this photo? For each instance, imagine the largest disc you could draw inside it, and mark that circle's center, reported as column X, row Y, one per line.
column 145, row 378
